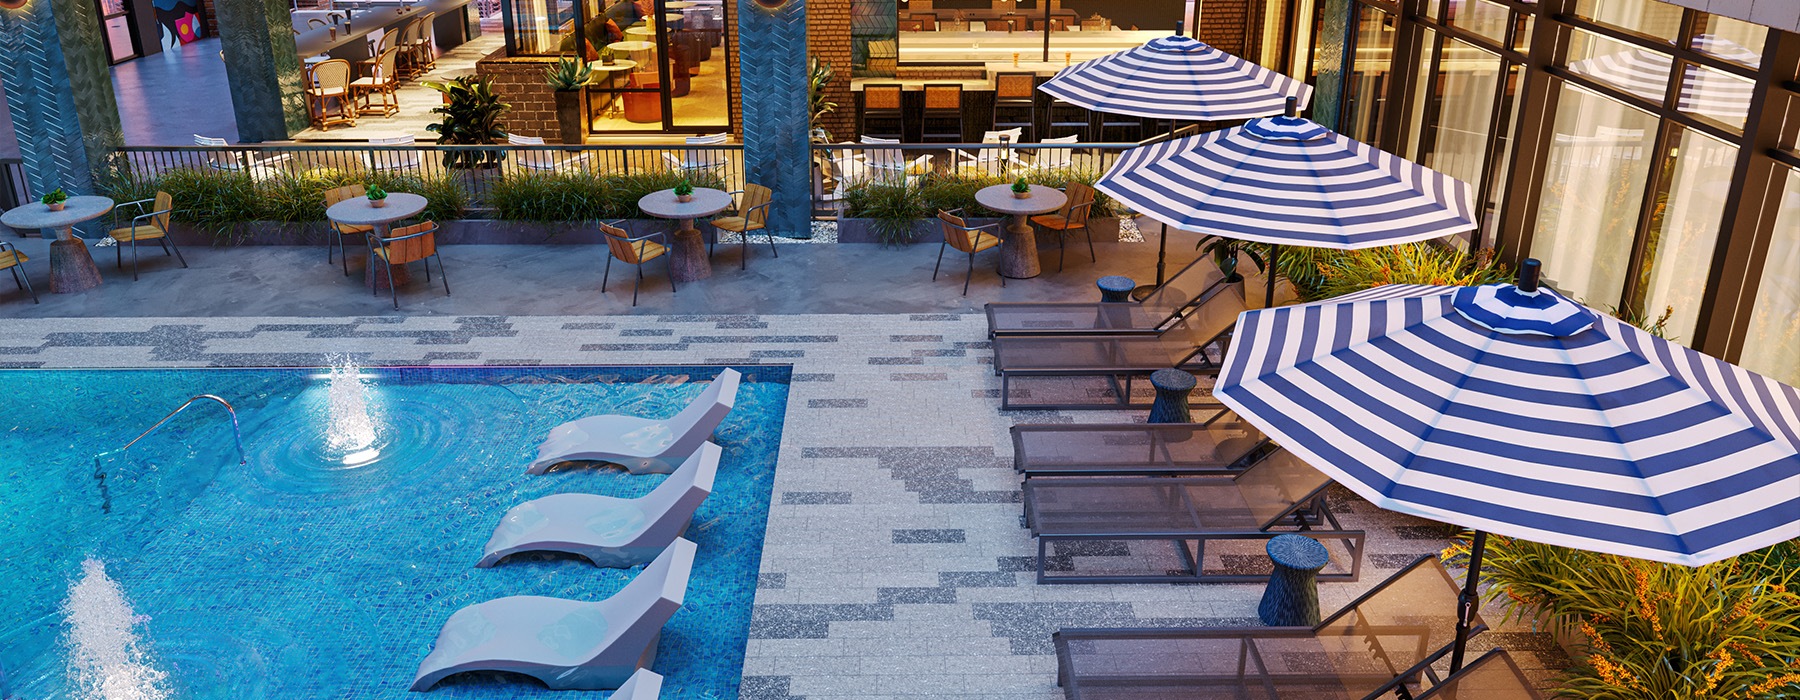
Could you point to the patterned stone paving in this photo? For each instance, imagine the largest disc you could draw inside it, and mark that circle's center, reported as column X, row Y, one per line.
column 896, row 564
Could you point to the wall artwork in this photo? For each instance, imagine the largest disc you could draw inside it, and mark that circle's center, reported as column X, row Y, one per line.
column 182, row 22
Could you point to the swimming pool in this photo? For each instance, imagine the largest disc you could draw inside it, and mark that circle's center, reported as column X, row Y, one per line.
column 324, row 566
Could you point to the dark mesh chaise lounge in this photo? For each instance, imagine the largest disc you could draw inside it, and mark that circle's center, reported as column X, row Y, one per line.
column 1036, row 371
column 1278, row 491
column 1494, row 676
column 1220, row 446
column 1387, row 638
column 1159, row 309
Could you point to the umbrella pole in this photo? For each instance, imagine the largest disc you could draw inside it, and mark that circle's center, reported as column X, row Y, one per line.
column 1468, row 601
column 1274, row 252
column 1162, row 254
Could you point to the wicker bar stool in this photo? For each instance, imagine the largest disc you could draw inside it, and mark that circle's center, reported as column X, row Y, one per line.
column 1015, row 104
column 942, row 120
column 881, row 113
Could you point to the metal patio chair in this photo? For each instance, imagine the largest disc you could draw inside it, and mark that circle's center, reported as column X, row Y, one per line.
column 13, row 260
column 634, row 251
column 335, row 237
column 1073, row 216
column 752, row 214
column 406, row 244
column 968, row 239
column 150, row 224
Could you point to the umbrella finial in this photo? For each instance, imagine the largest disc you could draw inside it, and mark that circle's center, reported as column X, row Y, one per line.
column 1293, row 106
column 1528, row 275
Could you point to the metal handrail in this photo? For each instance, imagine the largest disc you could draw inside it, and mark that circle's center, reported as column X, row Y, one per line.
column 236, row 435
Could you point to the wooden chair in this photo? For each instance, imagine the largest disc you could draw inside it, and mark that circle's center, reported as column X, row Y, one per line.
column 382, row 80
column 1015, row 103
column 421, row 55
column 1073, row 215
column 150, row 224
column 403, row 245
column 388, row 40
column 912, row 25
column 927, row 22
column 998, row 25
column 331, row 88
column 968, row 239
column 12, row 259
column 752, row 215
column 881, row 108
column 942, row 119
column 644, row 107
column 338, row 231
column 633, row 251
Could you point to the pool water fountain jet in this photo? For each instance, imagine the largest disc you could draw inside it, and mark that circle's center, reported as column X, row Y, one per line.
column 350, row 429
column 106, row 661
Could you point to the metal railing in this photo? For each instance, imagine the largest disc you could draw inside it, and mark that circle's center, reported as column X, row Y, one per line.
column 476, row 170
column 236, row 435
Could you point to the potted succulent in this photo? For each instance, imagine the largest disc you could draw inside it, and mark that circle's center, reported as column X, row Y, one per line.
column 56, row 199
column 377, row 196
column 1021, row 189
column 684, row 191
column 569, row 79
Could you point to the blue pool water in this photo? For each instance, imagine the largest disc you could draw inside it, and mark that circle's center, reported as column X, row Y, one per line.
column 299, row 576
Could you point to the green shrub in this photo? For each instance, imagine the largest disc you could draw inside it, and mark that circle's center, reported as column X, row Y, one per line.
column 894, row 207
column 1319, row 273
column 219, row 203
column 1658, row 631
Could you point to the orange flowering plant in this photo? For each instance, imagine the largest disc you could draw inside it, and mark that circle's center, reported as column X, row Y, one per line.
column 1651, row 631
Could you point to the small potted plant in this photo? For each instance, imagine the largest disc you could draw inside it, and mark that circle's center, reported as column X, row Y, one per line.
column 1021, row 189
column 684, row 191
column 377, row 196
column 56, row 199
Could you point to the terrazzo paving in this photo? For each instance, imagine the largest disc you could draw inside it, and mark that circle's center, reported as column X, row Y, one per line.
column 895, row 563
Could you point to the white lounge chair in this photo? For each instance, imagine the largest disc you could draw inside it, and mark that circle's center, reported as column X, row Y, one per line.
column 996, row 160
column 693, row 161
column 641, row 445
column 615, row 532
column 567, row 644
column 542, row 161
column 643, row 685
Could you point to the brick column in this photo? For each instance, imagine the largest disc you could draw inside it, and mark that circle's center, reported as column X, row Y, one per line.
column 773, row 41
column 59, row 93
column 828, row 39
column 263, row 68
column 1224, row 24
column 520, row 82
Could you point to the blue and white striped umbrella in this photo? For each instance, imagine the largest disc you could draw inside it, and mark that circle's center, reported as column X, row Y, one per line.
column 1176, row 78
column 1528, row 415
column 1290, row 181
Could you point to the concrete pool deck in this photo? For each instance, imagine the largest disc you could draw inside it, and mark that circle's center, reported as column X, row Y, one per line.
column 895, row 564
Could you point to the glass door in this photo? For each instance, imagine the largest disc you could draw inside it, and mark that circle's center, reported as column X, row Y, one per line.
column 116, row 26
column 663, row 71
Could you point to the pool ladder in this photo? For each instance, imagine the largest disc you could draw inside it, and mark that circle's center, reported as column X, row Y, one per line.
column 236, row 435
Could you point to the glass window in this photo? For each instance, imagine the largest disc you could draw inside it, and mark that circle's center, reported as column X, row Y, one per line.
column 1684, row 228
column 1367, row 92
column 1640, row 72
column 1772, row 345
column 874, row 41
column 1593, row 190
column 1480, row 16
column 1647, row 17
column 1730, row 39
column 1522, row 32
column 1085, row 29
column 1456, row 123
column 674, row 52
column 1716, row 95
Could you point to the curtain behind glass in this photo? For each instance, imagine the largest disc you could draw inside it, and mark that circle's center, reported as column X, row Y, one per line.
column 1772, row 345
column 1683, row 232
column 1593, row 192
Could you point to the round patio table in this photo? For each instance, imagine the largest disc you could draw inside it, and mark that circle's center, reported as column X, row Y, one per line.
column 1019, row 252
column 72, row 267
column 687, row 262
column 356, row 211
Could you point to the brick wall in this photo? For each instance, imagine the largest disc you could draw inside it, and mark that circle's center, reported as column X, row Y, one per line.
column 212, row 19
column 828, row 39
column 520, row 83
column 1225, row 25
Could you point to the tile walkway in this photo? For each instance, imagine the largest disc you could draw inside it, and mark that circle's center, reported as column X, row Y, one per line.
column 895, row 563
